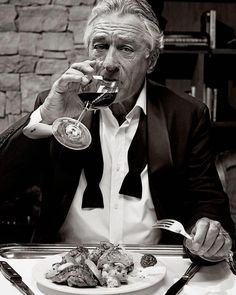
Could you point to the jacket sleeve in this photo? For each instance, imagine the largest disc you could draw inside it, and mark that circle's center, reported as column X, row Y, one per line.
column 21, row 158
column 203, row 186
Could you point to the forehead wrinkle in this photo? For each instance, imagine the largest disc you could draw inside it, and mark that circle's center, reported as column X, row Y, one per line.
column 119, row 28
column 104, row 37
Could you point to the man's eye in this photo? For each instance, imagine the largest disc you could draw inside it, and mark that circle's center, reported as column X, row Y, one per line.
column 100, row 46
column 127, row 49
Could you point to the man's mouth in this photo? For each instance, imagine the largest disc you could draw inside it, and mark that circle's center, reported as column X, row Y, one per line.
column 109, row 79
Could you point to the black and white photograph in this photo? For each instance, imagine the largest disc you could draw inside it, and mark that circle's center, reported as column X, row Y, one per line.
column 117, row 147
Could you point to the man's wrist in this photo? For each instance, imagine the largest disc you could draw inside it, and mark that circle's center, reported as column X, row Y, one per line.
column 44, row 118
column 36, row 128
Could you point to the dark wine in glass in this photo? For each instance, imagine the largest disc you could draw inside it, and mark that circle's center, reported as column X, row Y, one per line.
column 71, row 132
column 98, row 100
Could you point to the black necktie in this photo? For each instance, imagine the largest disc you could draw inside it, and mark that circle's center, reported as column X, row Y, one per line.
column 93, row 169
column 137, row 160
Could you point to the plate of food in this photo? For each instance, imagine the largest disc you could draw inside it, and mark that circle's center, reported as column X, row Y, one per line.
column 105, row 270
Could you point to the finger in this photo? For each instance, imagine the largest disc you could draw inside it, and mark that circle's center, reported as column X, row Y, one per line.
column 82, row 70
column 223, row 251
column 72, row 71
column 79, row 78
column 76, row 73
column 216, row 247
column 211, row 236
column 65, row 79
column 68, row 83
column 86, row 67
column 199, row 233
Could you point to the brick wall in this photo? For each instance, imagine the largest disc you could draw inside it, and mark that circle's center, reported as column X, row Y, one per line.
column 39, row 39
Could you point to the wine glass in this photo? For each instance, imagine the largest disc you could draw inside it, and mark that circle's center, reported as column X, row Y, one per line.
column 97, row 94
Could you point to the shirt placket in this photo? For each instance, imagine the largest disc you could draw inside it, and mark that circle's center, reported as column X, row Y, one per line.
column 117, row 176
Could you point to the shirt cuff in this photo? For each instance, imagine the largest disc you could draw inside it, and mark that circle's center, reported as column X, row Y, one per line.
column 35, row 129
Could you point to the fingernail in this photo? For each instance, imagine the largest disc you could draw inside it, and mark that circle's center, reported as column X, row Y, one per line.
column 195, row 246
column 84, row 80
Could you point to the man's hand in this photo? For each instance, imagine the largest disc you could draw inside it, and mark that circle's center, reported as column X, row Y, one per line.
column 63, row 99
column 210, row 240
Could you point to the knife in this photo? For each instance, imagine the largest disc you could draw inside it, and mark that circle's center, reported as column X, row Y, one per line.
column 10, row 274
column 190, row 272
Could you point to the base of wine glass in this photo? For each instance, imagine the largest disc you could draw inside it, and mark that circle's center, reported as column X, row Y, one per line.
column 72, row 135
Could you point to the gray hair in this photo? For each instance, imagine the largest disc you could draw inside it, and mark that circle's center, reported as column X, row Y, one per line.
column 140, row 8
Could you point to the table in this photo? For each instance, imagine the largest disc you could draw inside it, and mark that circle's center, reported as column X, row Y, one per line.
column 210, row 280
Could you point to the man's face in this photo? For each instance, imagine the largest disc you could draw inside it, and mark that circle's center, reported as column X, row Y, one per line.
column 118, row 41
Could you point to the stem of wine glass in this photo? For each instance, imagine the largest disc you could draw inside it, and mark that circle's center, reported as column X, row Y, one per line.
column 82, row 114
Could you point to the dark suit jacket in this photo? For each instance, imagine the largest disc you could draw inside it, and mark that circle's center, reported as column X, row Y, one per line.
column 183, row 180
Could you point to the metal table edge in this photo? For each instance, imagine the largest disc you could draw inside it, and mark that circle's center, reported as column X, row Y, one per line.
column 32, row 250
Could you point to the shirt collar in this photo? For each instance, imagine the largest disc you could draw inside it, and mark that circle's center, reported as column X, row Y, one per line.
column 141, row 103
column 139, row 106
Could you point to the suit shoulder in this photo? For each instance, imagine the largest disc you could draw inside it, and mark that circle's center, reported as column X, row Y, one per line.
column 171, row 99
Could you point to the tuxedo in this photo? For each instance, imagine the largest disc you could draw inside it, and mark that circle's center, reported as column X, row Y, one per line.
column 183, row 180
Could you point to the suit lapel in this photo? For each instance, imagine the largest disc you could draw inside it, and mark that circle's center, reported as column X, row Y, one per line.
column 159, row 151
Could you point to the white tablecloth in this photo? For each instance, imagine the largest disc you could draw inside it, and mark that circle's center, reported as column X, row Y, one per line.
column 217, row 279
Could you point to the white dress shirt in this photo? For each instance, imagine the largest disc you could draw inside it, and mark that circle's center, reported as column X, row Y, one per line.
column 124, row 219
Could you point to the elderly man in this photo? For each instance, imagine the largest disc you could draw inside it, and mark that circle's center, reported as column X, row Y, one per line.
column 159, row 138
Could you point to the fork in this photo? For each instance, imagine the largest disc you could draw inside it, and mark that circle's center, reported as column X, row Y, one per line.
column 177, row 227
column 172, row 225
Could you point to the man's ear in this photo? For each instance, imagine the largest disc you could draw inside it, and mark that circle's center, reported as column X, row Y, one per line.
column 152, row 61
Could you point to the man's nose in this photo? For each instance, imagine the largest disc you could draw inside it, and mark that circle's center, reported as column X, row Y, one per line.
column 110, row 63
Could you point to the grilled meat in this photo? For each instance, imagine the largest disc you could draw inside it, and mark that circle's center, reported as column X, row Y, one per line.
column 78, row 275
column 114, row 255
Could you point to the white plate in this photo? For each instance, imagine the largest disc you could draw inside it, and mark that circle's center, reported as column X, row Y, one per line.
column 135, row 281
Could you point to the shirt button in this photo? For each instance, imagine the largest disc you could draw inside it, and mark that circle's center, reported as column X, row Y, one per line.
column 118, row 168
column 116, row 206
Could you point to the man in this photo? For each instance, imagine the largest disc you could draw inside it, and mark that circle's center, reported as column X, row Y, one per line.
column 150, row 155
